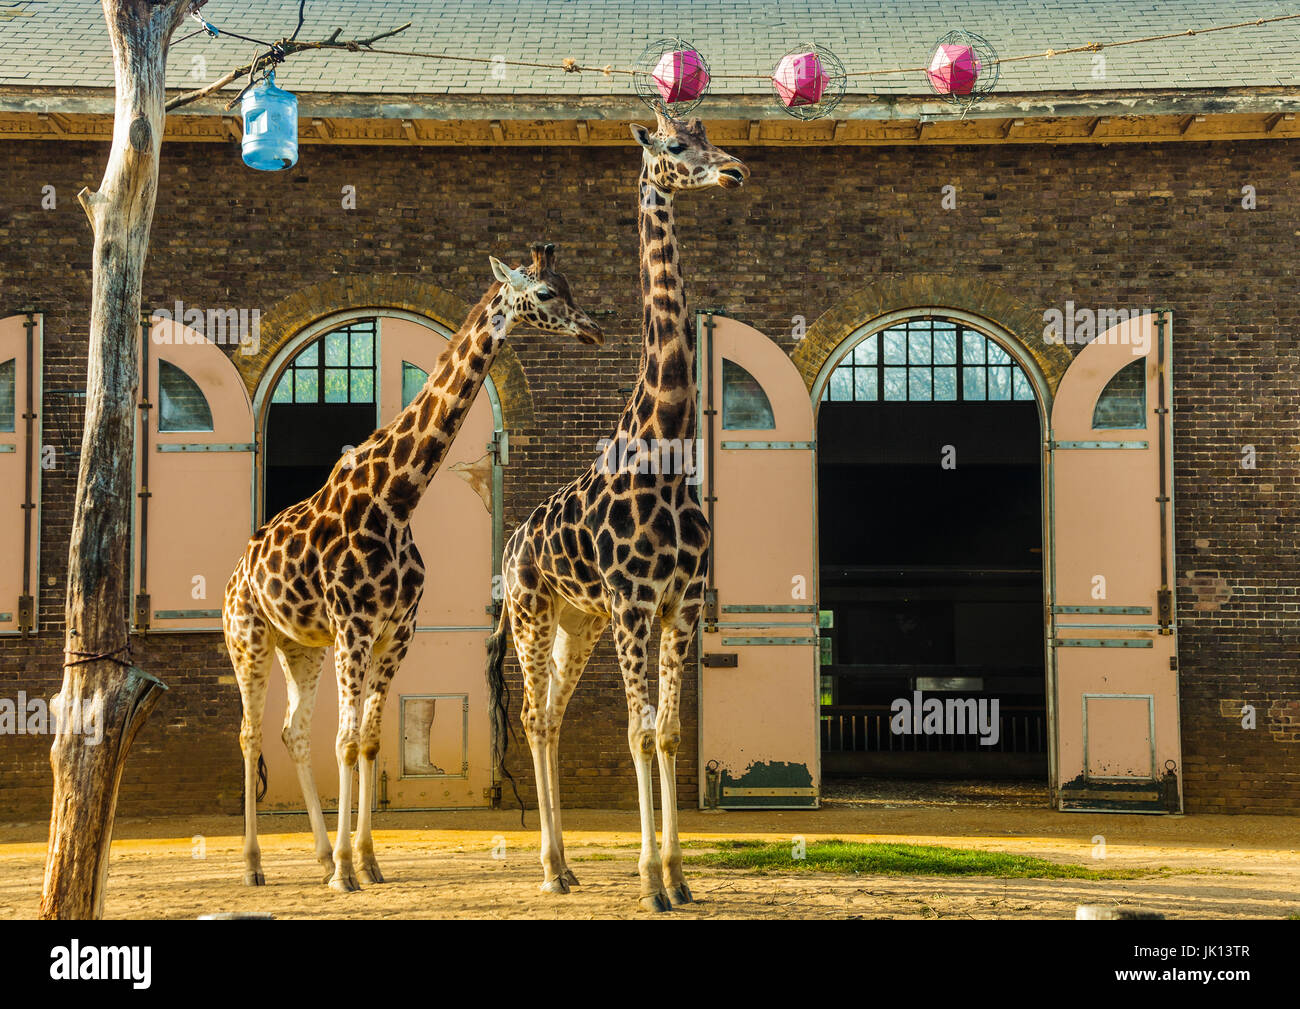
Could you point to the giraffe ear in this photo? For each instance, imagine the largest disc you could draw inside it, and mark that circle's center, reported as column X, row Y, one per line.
column 503, row 273
column 641, row 135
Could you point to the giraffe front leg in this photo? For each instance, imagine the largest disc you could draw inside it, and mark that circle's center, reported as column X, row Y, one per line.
column 383, row 670
column 302, row 669
column 351, row 663
column 248, row 642
column 673, row 646
column 632, row 639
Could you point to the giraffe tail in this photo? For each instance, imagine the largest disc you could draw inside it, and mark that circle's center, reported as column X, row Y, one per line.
column 499, row 703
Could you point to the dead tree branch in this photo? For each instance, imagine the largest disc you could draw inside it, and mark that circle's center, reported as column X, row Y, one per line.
column 283, row 49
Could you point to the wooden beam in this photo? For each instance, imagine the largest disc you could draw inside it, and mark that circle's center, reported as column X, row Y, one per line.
column 1010, row 125
column 412, row 134
column 1274, row 121
column 1098, row 123
column 1190, row 122
column 234, row 126
column 322, row 128
column 755, row 130
column 841, row 125
column 580, row 128
column 498, row 131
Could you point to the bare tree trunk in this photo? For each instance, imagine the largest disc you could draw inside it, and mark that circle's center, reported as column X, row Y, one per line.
column 98, row 672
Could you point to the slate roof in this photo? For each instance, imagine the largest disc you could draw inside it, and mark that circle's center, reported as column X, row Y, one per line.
column 63, row 43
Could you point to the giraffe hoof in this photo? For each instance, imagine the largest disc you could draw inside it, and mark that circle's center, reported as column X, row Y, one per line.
column 370, row 873
column 344, row 884
column 557, row 885
column 656, row 902
column 254, row 878
column 569, row 877
column 680, row 894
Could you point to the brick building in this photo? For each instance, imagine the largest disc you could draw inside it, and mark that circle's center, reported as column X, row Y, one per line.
column 978, row 509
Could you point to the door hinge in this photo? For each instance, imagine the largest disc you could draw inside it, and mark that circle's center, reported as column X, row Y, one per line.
column 499, row 446
column 711, row 609
column 722, row 660
column 493, row 795
column 142, row 605
column 26, row 614
column 1165, row 607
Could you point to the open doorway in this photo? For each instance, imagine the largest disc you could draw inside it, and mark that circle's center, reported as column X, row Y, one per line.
column 324, row 400
column 931, row 568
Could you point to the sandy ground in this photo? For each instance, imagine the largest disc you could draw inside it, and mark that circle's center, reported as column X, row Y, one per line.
column 441, row 865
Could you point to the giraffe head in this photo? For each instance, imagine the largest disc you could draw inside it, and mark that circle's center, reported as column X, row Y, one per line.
column 678, row 157
column 540, row 296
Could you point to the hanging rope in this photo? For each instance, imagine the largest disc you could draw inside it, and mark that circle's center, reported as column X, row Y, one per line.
column 277, row 52
column 570, row 65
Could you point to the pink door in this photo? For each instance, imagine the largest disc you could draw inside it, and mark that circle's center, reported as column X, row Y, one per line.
column 194, row 474
column 20, row 471
column 758, row 693
column 1114, row 640
column 435, row 748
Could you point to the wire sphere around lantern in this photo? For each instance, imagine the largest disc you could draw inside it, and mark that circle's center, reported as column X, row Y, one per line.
column 963, row 68
column 809, row 81
column 671, row 77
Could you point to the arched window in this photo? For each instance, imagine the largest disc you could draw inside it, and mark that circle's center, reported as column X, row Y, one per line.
column 1123, row 403
column 337, row 368
column 927, row 360
column 181, row 403
column 413, row 379
column 8, row 393
column 745, row 406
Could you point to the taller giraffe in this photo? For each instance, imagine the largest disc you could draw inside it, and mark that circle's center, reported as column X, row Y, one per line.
column 625, row 543
column 342, row 569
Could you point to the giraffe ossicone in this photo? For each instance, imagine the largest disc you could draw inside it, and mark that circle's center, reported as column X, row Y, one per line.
column 341, row 569
column 622, row 545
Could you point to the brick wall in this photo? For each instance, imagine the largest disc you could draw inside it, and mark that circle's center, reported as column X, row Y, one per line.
column 1115, row 226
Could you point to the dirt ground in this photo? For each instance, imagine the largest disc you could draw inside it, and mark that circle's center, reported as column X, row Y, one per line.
column 441, row 865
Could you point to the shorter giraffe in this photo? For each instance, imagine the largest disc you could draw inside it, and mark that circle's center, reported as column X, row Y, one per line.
column 342, row 569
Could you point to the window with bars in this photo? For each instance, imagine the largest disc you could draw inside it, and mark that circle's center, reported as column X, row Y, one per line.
column 337, row 368
column 927, row 361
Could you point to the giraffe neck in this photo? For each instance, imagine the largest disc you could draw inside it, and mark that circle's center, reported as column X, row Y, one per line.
column 415, row 442
column 663, row 402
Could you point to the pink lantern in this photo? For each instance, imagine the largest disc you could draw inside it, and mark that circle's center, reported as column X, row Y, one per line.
column 680, row 75
column 800, row 79
column 954, row 69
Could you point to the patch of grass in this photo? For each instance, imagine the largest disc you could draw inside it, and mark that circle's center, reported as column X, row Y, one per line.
column 600, row 856
column 898, row 860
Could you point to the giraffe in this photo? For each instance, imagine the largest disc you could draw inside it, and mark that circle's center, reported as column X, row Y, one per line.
column 624, row 543
column 341, row 569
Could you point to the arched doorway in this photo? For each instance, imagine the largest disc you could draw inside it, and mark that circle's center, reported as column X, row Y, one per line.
column 1107, row 623
column 325, row 390
column 931, row 562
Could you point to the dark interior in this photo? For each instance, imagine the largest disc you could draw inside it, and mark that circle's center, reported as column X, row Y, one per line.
column 933, row 578
column 303, row 442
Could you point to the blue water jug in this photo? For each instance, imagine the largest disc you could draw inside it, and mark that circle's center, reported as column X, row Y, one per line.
column 270, row 127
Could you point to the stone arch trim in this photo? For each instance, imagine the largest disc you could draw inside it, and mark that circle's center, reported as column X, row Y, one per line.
column 383, row 292
column 967, row 294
